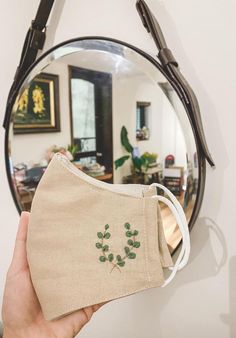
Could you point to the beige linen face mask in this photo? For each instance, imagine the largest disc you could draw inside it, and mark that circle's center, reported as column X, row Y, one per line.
column 91, row 242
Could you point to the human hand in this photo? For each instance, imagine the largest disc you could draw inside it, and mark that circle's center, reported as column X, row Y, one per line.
column 21, row 311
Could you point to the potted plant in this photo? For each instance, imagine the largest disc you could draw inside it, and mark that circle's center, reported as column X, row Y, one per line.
column 140, row 164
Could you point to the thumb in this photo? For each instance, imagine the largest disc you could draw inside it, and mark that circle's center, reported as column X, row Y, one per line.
column 19, row 260
column 75, row 321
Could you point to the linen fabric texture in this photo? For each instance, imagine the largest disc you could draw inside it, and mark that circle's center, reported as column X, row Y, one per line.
column 90, row 242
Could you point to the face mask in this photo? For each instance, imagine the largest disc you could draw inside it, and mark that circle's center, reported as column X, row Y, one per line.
column 90, row 242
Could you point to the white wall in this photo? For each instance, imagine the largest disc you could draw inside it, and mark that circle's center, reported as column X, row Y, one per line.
column 127, row 91
column 202, row 300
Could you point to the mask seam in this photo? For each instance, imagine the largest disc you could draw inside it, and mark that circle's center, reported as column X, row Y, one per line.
column 92, row 300
column 158, row 221
column 89, row 180
column 145, row 239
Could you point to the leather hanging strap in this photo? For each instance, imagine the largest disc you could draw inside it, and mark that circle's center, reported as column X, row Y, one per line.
column 152, row 26
column 34, row 42
column 35, row 39
column 170, row 66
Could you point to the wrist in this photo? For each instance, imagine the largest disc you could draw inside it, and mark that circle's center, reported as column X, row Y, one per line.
column 8, row 333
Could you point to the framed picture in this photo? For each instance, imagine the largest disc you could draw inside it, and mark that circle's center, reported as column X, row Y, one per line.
column 37, row 109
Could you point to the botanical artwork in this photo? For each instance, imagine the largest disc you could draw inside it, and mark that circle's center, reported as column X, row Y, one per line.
column 118, row 261
column 37, row 109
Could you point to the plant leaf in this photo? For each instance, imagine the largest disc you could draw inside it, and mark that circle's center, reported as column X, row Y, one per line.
column 137, row 161
column 130, row 242
column 136, row 244
column 125, row 140
column 100, row 235
column 110, row 257
column 129, row 234
column 107, row 235
column 98, row 245
column 145, row 163
column 127, row 250
column 132, row 255
column 106, row 226
column 121, row 263
column 120, row 161
column 102, row 259
column 135, row 233
column 118, row 257
column 127, row 226
column 105, row 248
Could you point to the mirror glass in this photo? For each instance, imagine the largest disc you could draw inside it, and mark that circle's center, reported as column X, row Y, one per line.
column 111, row 110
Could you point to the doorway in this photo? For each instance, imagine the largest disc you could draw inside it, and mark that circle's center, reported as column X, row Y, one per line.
column 91, row 116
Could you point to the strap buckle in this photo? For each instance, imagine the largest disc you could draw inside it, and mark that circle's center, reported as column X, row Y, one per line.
column 166, row 57
column 37, row 37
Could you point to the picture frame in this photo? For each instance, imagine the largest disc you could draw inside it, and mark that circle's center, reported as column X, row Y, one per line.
column 38, row 110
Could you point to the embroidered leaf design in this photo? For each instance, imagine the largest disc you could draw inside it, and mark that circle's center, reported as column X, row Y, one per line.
column 119, row 261
column 105, row 248
column 132, row 255
column 127, row 250
column 127, row 226
column 136, row 245
column 130, row 242
column 110, row 257
column 107, row 235
column 100, row 235
column 129, row 234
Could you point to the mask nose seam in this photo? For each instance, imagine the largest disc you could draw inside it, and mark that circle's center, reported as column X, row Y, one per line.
column 145, row 239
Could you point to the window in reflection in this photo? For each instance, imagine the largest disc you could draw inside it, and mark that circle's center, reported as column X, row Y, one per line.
column 91, row 119
column 83, row 114
column 142, row 120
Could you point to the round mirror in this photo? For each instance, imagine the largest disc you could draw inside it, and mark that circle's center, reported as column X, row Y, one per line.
column 111, row 109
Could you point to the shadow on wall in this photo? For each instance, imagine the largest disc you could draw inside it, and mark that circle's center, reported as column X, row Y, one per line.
column 229, row 318
column 207, row 107
column 54, row 22
column 141, row 315
column 204, row 229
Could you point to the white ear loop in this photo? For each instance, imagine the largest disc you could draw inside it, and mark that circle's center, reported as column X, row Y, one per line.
column 184, row 224
column 178, row 212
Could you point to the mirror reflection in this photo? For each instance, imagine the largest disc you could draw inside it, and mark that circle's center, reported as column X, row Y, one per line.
column 113, row 114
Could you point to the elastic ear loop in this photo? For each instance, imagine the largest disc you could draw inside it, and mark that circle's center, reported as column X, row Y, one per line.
column 178, row 212
column 182, row 252
column 184, row 223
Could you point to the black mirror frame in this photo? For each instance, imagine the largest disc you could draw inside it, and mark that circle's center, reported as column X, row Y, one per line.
column 201, row 155
column 168, row 66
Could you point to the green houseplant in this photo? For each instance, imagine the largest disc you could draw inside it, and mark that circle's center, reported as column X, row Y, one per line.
column 141, row 163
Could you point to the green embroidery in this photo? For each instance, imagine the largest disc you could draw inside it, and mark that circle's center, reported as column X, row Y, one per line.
column 117, row 261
